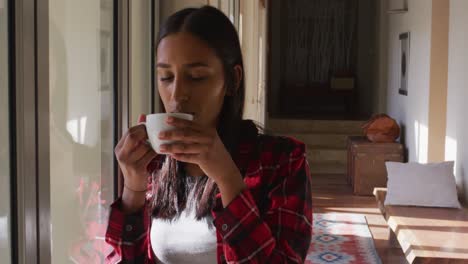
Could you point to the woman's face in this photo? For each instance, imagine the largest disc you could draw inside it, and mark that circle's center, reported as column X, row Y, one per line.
column 190, row 78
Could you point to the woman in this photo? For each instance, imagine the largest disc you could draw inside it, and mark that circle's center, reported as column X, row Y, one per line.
column 223, row 192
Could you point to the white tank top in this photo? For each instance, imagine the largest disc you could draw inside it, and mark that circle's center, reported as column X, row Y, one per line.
column 184, row 239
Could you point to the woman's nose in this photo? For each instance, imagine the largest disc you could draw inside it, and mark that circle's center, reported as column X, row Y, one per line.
column 180, row 91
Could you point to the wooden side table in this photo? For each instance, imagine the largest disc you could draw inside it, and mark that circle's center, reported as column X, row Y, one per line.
column 366, row 163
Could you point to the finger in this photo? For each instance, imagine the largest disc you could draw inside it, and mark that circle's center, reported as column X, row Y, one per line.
column 128, row 155
column 135, row 129
column 142, row 118
column 146, row 159
column 136, row 134
column 138, row 153
column 190, row 158
column 135, row 137
column 187, row 135
column 121, row 142
column 183, row 148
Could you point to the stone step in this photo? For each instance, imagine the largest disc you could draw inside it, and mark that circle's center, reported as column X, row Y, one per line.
column 319, row 168
column 320, row 155
column 315, row 140
column 352, row 127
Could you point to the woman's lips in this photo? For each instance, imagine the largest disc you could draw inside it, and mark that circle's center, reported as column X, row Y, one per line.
column 184, row 112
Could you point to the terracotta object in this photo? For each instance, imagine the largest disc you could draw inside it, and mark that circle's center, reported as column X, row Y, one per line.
column 381, row 128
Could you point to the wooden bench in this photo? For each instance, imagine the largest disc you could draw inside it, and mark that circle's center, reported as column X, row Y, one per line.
column 427, row 235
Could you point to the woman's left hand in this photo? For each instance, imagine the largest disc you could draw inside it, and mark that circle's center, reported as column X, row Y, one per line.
column 200, row 146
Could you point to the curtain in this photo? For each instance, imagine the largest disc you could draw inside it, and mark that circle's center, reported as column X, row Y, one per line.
column 320, row 40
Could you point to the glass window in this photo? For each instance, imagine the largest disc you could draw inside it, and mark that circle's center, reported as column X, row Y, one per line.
column 81, row 128
column 5, row 213
column 140, row 61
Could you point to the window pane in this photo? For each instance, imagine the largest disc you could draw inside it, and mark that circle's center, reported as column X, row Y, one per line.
column 5, row 246
column 81, row 127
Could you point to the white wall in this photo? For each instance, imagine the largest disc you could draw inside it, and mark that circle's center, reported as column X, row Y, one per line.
column 262, row 38
column 411, row 111
column 253, row 39
column 456, row 147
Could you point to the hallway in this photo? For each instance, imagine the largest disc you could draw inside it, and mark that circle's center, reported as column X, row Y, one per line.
column 331, row 194
column 326, row 142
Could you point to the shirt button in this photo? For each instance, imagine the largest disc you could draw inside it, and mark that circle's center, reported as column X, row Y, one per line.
column 224, row 227
column 128, row 228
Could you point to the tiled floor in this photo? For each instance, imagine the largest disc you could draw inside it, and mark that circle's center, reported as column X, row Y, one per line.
column 330, row 193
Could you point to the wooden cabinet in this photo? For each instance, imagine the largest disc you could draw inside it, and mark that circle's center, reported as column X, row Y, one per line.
column 366, row 163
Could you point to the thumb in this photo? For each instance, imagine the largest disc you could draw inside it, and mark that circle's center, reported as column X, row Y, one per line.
column 142, row 118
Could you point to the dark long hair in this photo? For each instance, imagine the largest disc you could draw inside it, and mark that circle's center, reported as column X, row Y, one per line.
column 170, row 189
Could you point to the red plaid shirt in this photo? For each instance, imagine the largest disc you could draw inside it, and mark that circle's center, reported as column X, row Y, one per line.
column 269, row 222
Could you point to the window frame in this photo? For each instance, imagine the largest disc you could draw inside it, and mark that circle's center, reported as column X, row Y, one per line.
column 28, row 39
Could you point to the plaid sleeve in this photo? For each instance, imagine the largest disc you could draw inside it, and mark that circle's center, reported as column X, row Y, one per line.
column 280, row 235
column 128, row 235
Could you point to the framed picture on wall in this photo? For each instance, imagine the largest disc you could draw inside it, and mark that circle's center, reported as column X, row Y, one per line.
column 404, row 62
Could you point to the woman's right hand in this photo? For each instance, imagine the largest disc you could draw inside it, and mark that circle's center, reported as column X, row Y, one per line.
column 133, row 155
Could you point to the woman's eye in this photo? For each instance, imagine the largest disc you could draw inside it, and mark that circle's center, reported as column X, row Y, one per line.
column 193, row 78
column 166, row 79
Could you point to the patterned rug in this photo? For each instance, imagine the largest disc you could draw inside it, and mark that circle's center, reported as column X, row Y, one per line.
column 340, row 238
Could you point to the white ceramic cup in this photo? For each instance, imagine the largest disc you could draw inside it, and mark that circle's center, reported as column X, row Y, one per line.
column 156, row 123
